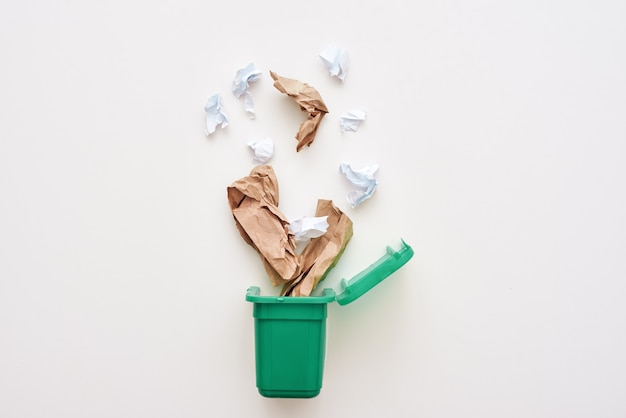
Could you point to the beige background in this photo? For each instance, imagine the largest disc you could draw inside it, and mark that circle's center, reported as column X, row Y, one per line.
column 499, row 131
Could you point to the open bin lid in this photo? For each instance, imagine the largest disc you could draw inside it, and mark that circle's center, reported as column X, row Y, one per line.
column 374, row 274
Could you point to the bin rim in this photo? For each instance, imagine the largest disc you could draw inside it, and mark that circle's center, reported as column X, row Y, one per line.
column 352, row 289
column 253, row 295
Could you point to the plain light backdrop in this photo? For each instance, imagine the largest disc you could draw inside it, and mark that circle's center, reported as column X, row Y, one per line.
column 500, row 132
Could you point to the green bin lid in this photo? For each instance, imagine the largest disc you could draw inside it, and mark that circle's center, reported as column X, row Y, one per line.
column 374, row 274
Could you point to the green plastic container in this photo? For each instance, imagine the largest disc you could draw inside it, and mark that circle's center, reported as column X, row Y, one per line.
column 290, row 332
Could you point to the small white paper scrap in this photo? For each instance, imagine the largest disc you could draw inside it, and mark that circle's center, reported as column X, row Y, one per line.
column 241, row 85
column 364, row 179
column 352, row 120
column 336, row 61
column 263, row 149
column 308, row 227
column 215, row 115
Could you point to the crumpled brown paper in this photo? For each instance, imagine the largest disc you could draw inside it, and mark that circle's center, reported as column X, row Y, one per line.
column 254, row 203
column 309, row 100
column 322, row 253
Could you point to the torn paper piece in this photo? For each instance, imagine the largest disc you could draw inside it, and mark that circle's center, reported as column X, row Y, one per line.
column 322, row 253
column 309, row 100
column 336, row 61
column 215, row 115
column 241, row 84
column 253, row 201
column 352, row 120
column 364, row 179
column 263, row 149
column 308, row 227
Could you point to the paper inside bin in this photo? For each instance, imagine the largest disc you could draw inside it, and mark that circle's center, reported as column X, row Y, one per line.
column 254, row 203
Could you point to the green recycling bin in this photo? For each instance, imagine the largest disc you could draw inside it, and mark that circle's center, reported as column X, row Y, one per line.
column 290, row 332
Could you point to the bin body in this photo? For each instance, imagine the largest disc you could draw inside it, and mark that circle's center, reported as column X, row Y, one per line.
column 290, row 341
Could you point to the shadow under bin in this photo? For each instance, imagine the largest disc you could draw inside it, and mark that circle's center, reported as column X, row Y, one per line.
column 290, row 332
